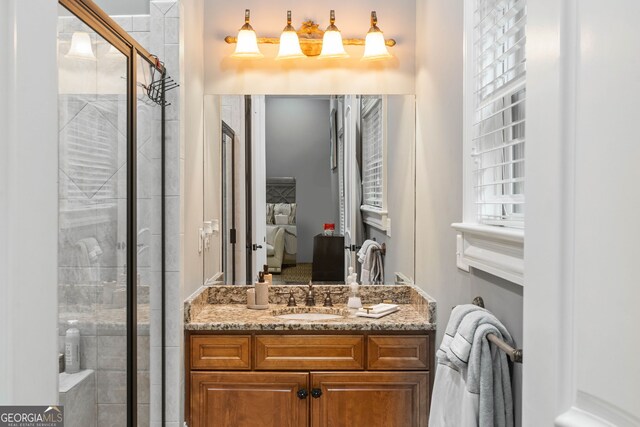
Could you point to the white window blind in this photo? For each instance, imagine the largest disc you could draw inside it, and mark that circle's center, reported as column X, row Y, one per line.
column 372, row 151
column 499, row 94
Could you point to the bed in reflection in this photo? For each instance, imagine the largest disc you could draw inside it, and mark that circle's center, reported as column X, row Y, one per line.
column 282, row 233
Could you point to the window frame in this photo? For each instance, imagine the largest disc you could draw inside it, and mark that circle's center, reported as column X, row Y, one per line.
column 490, row 248
column 375, row 216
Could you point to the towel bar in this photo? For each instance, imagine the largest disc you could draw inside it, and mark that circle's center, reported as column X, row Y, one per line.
column 515, row 354
column 382, row 249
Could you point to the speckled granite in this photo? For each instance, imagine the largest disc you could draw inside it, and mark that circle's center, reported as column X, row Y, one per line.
column 236, row 317
column 340, row 311
column 223, row 308
column 423, row 303
column 278, row 294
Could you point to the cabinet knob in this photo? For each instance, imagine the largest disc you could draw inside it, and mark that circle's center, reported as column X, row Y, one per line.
column 303, row 393
column 316, row 393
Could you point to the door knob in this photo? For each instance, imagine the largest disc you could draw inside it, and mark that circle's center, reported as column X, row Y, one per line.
column 303, row 393
column 316, row 393
column 256, row 247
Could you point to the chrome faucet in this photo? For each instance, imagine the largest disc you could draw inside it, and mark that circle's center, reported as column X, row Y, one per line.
column 310, row 300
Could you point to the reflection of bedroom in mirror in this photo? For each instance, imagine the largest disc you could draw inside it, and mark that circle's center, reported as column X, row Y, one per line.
column 302, row 191
column 305, row 185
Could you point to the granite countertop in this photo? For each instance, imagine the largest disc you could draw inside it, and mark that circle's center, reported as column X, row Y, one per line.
column 222, row 308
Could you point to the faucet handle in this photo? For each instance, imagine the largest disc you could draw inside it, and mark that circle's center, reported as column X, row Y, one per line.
column 310, row 300
column 327, row 298
column 291, row 302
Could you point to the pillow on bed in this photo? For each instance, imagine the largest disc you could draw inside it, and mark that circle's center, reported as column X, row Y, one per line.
column 270, row 213
column 288, row 209
column 292, row 215
column 282, row 219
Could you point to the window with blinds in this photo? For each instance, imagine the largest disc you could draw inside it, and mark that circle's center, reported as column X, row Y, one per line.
column 372, row 152
column 499, row 92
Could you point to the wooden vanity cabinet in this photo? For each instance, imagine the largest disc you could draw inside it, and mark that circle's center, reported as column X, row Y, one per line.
column 260, row 399
column 317, row 379
column 370, row 399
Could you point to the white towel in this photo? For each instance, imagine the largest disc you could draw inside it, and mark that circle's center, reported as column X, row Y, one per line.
column 380, row 308
column 88, row 252
column 472, row 385
column 457, row 314
column 363, row 250
column 372, row 265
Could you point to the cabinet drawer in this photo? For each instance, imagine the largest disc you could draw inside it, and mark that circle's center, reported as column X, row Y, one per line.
column 300, row 352
column 398, row 352
column 230, row 352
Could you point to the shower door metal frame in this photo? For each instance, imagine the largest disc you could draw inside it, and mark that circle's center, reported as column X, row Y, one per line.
column 93, row 16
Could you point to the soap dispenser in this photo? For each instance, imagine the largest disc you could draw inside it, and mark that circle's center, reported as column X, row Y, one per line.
column 262, row 293
column 268, row 277
column 354, row 298
column 72, row 349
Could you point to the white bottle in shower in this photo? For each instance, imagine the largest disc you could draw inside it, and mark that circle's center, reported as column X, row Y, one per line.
column 72, row 349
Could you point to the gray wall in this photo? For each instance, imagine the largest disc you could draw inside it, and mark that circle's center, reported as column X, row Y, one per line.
column 297, row 144
column 439, row 158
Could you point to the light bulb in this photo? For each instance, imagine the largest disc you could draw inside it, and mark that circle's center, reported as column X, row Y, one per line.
column 247, row 44
column 332, row 46
column 374, row 45
column 289, row 42
column 81, row 47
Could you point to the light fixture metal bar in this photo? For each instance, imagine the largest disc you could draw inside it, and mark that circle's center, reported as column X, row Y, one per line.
column 275, row 40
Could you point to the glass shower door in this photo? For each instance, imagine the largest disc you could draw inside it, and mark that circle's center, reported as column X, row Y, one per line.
column 92, row 251
column 111, row 223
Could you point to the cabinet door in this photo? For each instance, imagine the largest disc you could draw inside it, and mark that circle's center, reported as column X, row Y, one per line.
column 390, row 399
column 249, row 399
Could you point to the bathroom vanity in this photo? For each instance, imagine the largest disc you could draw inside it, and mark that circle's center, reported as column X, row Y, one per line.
column 252, row 367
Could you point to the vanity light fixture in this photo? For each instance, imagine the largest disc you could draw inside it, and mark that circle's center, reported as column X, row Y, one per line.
column 310, row 40
column 247, row 42
column 332, row 46
column 81, row 47
column 289, row 42
column 374, row 45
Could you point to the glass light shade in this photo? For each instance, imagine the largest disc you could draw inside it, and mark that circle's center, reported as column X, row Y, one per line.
column 375, row 47
column 247, row 45
column 332, row 46
column 81, row 47
column 289, row 46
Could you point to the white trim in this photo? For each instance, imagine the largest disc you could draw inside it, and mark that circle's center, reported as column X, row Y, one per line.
column 468, row 199
column 385, row 117
column 259, row 176
column 374, row 217
column 592, row 411
column 496, row 250
column 28, row 203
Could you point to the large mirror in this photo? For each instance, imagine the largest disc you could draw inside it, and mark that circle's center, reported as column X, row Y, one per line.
column 309, row 186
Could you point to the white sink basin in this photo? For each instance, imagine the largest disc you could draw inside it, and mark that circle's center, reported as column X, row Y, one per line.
column 309, row 316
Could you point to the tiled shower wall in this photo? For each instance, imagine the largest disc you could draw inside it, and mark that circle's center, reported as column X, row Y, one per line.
column 164, row 42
